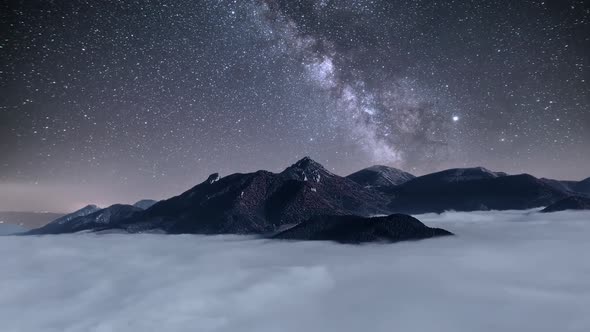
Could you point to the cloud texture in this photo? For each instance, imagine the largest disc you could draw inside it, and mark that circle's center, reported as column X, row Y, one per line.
column 505, row 271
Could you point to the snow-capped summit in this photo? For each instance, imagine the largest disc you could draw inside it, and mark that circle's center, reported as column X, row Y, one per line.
column 307, row 163
column 306, row 169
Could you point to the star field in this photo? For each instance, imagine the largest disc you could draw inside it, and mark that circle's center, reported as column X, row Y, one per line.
column 119, row 100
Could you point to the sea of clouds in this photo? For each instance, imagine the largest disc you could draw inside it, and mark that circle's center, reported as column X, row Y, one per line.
column 504, row 271
column 7, row 229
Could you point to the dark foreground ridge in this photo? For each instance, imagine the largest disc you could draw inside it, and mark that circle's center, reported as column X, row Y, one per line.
column 355, row 229
column 570, row 203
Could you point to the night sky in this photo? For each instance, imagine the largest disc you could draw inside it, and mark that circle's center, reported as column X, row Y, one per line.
column 113, row 101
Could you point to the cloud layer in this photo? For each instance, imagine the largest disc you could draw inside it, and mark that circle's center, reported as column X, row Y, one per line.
column 505, row 271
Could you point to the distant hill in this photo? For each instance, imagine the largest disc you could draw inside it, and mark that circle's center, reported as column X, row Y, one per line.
column 570, row 203
column 380, row 176
column 90, row 217
column 473, row 189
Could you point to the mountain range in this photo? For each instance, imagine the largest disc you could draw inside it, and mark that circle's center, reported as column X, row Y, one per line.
column 473, row 189
column 295, row 202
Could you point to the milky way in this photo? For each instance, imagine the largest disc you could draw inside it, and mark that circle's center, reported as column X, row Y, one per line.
column 121, row 100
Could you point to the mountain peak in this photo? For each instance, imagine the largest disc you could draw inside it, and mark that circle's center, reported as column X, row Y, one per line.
column 88, row 209
column 306, row 169
column 213, row 178
column 307, row 163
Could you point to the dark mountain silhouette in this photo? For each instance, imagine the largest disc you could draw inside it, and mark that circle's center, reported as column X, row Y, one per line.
column 265, row 203
column 88, row 218
column 261, row 202
column 576, row 188
column 88, row 209
column 570, row 203
column 455, row 175
column 473, row 189
column 582, row 187
column 355, row 229
column 380, row 176
column 566, row 186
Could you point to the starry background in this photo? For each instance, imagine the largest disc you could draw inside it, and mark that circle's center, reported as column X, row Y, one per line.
column 113, row 101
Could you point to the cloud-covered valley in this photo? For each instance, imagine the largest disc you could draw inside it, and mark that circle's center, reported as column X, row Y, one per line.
column 504, row 271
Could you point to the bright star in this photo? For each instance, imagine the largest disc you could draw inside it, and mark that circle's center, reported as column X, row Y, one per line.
column 455, row 118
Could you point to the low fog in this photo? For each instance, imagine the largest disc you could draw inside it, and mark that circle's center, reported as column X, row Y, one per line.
column 504, row 271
